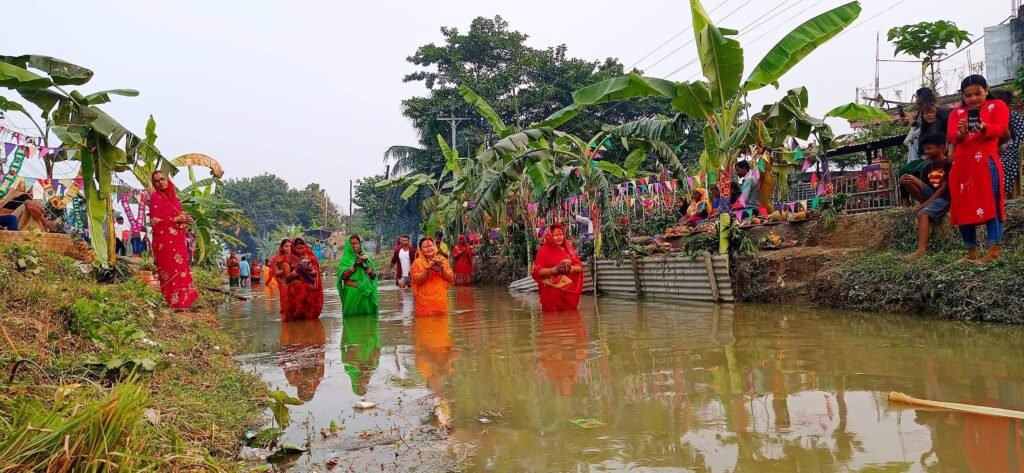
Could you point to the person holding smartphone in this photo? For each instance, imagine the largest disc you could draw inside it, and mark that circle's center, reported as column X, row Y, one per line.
column 977, row 193
column 431, row 277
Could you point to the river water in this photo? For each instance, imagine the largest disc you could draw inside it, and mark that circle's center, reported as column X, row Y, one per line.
column 652, row 387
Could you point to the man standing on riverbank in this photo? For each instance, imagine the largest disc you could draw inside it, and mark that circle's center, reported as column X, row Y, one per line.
column 750, row 192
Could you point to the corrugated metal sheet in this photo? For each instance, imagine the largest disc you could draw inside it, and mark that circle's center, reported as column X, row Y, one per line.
column 527, row 284
column 680, row 278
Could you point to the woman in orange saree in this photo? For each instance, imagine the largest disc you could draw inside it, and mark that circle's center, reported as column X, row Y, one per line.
column 431, row 278
column 170, row 253
column 558, row 272
column 305, row 284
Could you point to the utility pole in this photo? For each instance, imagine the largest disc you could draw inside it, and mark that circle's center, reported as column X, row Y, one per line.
column 350, row 198
column 454, row 122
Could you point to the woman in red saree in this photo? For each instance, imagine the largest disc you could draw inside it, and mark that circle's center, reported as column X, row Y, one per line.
column 305, row 284
column 281, row 267
column 170, row 254
column 558, row 272
column 976, row 180
column 462, row 254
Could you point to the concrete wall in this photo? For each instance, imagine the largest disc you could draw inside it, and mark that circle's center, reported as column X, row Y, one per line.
column 1002, row 52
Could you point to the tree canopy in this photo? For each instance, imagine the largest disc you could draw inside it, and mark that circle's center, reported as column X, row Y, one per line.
column 270, row 203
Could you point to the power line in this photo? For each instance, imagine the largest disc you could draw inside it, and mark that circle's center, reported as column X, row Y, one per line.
column 680, row 33
column 680, row 48
column 876, row 15
column 748, row 31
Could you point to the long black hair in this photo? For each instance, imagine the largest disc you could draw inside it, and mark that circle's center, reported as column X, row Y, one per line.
column 973, row 79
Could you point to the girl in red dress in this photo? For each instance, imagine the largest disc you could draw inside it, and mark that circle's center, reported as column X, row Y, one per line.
column 170, row 253
column 976, row 179
column 305, row 284
column 558, row 272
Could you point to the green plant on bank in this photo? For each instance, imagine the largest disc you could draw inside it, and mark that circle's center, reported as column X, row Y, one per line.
column 217, row 220
column 927, row 41
column 82, row 432
column 832, row 207
column 46, row 358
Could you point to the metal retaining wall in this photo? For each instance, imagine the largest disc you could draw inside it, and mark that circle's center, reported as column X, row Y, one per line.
column 527, row 284
column 679, row 278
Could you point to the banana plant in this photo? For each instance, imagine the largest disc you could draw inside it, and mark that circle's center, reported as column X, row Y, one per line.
column 721, row 99
column 86, row 132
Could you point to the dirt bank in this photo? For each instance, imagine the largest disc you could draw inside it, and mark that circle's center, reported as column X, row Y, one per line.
column 857, row 266
column 105, row 374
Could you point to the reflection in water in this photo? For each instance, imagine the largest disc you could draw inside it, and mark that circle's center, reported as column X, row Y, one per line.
column 562, row 349
column 681, row 387
column 434, row 350
column 360, row 349
column 302, row 355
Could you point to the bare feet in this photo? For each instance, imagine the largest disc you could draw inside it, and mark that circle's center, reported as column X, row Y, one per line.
column 972, row 254
column 915, row 255
column 990, row 256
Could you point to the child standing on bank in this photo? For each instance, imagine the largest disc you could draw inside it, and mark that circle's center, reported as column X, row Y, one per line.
column 976, row 179
column 931, row 189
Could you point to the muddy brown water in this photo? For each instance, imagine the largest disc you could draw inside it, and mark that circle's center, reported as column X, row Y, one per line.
column 672, row 386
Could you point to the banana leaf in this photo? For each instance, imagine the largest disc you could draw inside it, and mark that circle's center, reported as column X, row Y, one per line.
column 721, row 60
column 856, row 111
column 694, row 99
column 104, row 96
column 800, row 42
column 485, row 110
column 624, row 88
column 61, row 72
column 14, row 77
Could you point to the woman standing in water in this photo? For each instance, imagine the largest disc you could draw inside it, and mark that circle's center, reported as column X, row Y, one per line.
column 976, row 179
column 462, row 254
column 357, row 280
column 558, row 272
column 281, row 267
column 431, row 278
column 305, row 284
column 170, row 254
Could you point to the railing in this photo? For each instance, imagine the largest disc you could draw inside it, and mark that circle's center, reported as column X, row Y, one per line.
column 874, row 187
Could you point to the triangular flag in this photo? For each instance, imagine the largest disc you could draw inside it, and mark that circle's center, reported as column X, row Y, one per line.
column 803, row 204
column 30, row 182
column 8, row 148
column 807, row 165
column 814, row 180
column 712, row 177
column 755, row 173
column 814, row 203
column 821, row 187
column 763, row 211
column 760, row 165
column 750, row 212
column 738, row 214
column 689, row 181
column 792, row 206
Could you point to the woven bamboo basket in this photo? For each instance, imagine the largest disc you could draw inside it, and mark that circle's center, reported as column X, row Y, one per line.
column 55, row 242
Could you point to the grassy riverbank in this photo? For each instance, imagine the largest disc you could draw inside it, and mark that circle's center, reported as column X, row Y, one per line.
column 103, row 374
column 858, row 266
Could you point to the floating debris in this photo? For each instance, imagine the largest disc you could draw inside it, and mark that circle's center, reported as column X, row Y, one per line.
column 587, row 423
column 364, row 405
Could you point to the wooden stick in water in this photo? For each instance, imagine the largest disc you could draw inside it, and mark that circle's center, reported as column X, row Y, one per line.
column 952, row 406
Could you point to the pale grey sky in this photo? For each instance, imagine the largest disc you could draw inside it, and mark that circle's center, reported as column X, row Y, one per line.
column 311, row 90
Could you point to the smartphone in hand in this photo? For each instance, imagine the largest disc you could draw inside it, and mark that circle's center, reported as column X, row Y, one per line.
column 974, row 119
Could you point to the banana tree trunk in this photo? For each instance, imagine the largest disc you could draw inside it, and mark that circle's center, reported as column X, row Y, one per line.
column 111, row 237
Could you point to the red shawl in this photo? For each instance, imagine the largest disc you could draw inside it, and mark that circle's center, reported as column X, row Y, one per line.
column 972, row 200
column 463, row 256
column 563, row 298
column 170, row 253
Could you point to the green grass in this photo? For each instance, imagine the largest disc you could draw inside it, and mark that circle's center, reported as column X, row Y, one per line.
column 91, row 357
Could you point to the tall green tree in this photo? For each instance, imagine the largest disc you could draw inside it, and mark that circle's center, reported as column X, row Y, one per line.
column 522, row 84
column 927, row 41
column 270, row 204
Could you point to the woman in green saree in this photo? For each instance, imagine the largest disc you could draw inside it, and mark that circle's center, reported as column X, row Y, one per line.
column 357, row 280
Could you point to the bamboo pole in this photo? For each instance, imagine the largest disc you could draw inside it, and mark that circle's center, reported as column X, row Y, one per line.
column 900, row 398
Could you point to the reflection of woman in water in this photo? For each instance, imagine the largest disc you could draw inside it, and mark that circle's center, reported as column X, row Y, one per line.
column 302, row 355
column 360, row 349
column 562, row 349
column 434, row 350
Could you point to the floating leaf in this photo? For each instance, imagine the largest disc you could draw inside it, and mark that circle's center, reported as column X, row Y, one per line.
column 587, row 423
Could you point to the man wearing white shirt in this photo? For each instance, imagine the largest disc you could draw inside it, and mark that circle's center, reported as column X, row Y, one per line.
column 121, row 232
